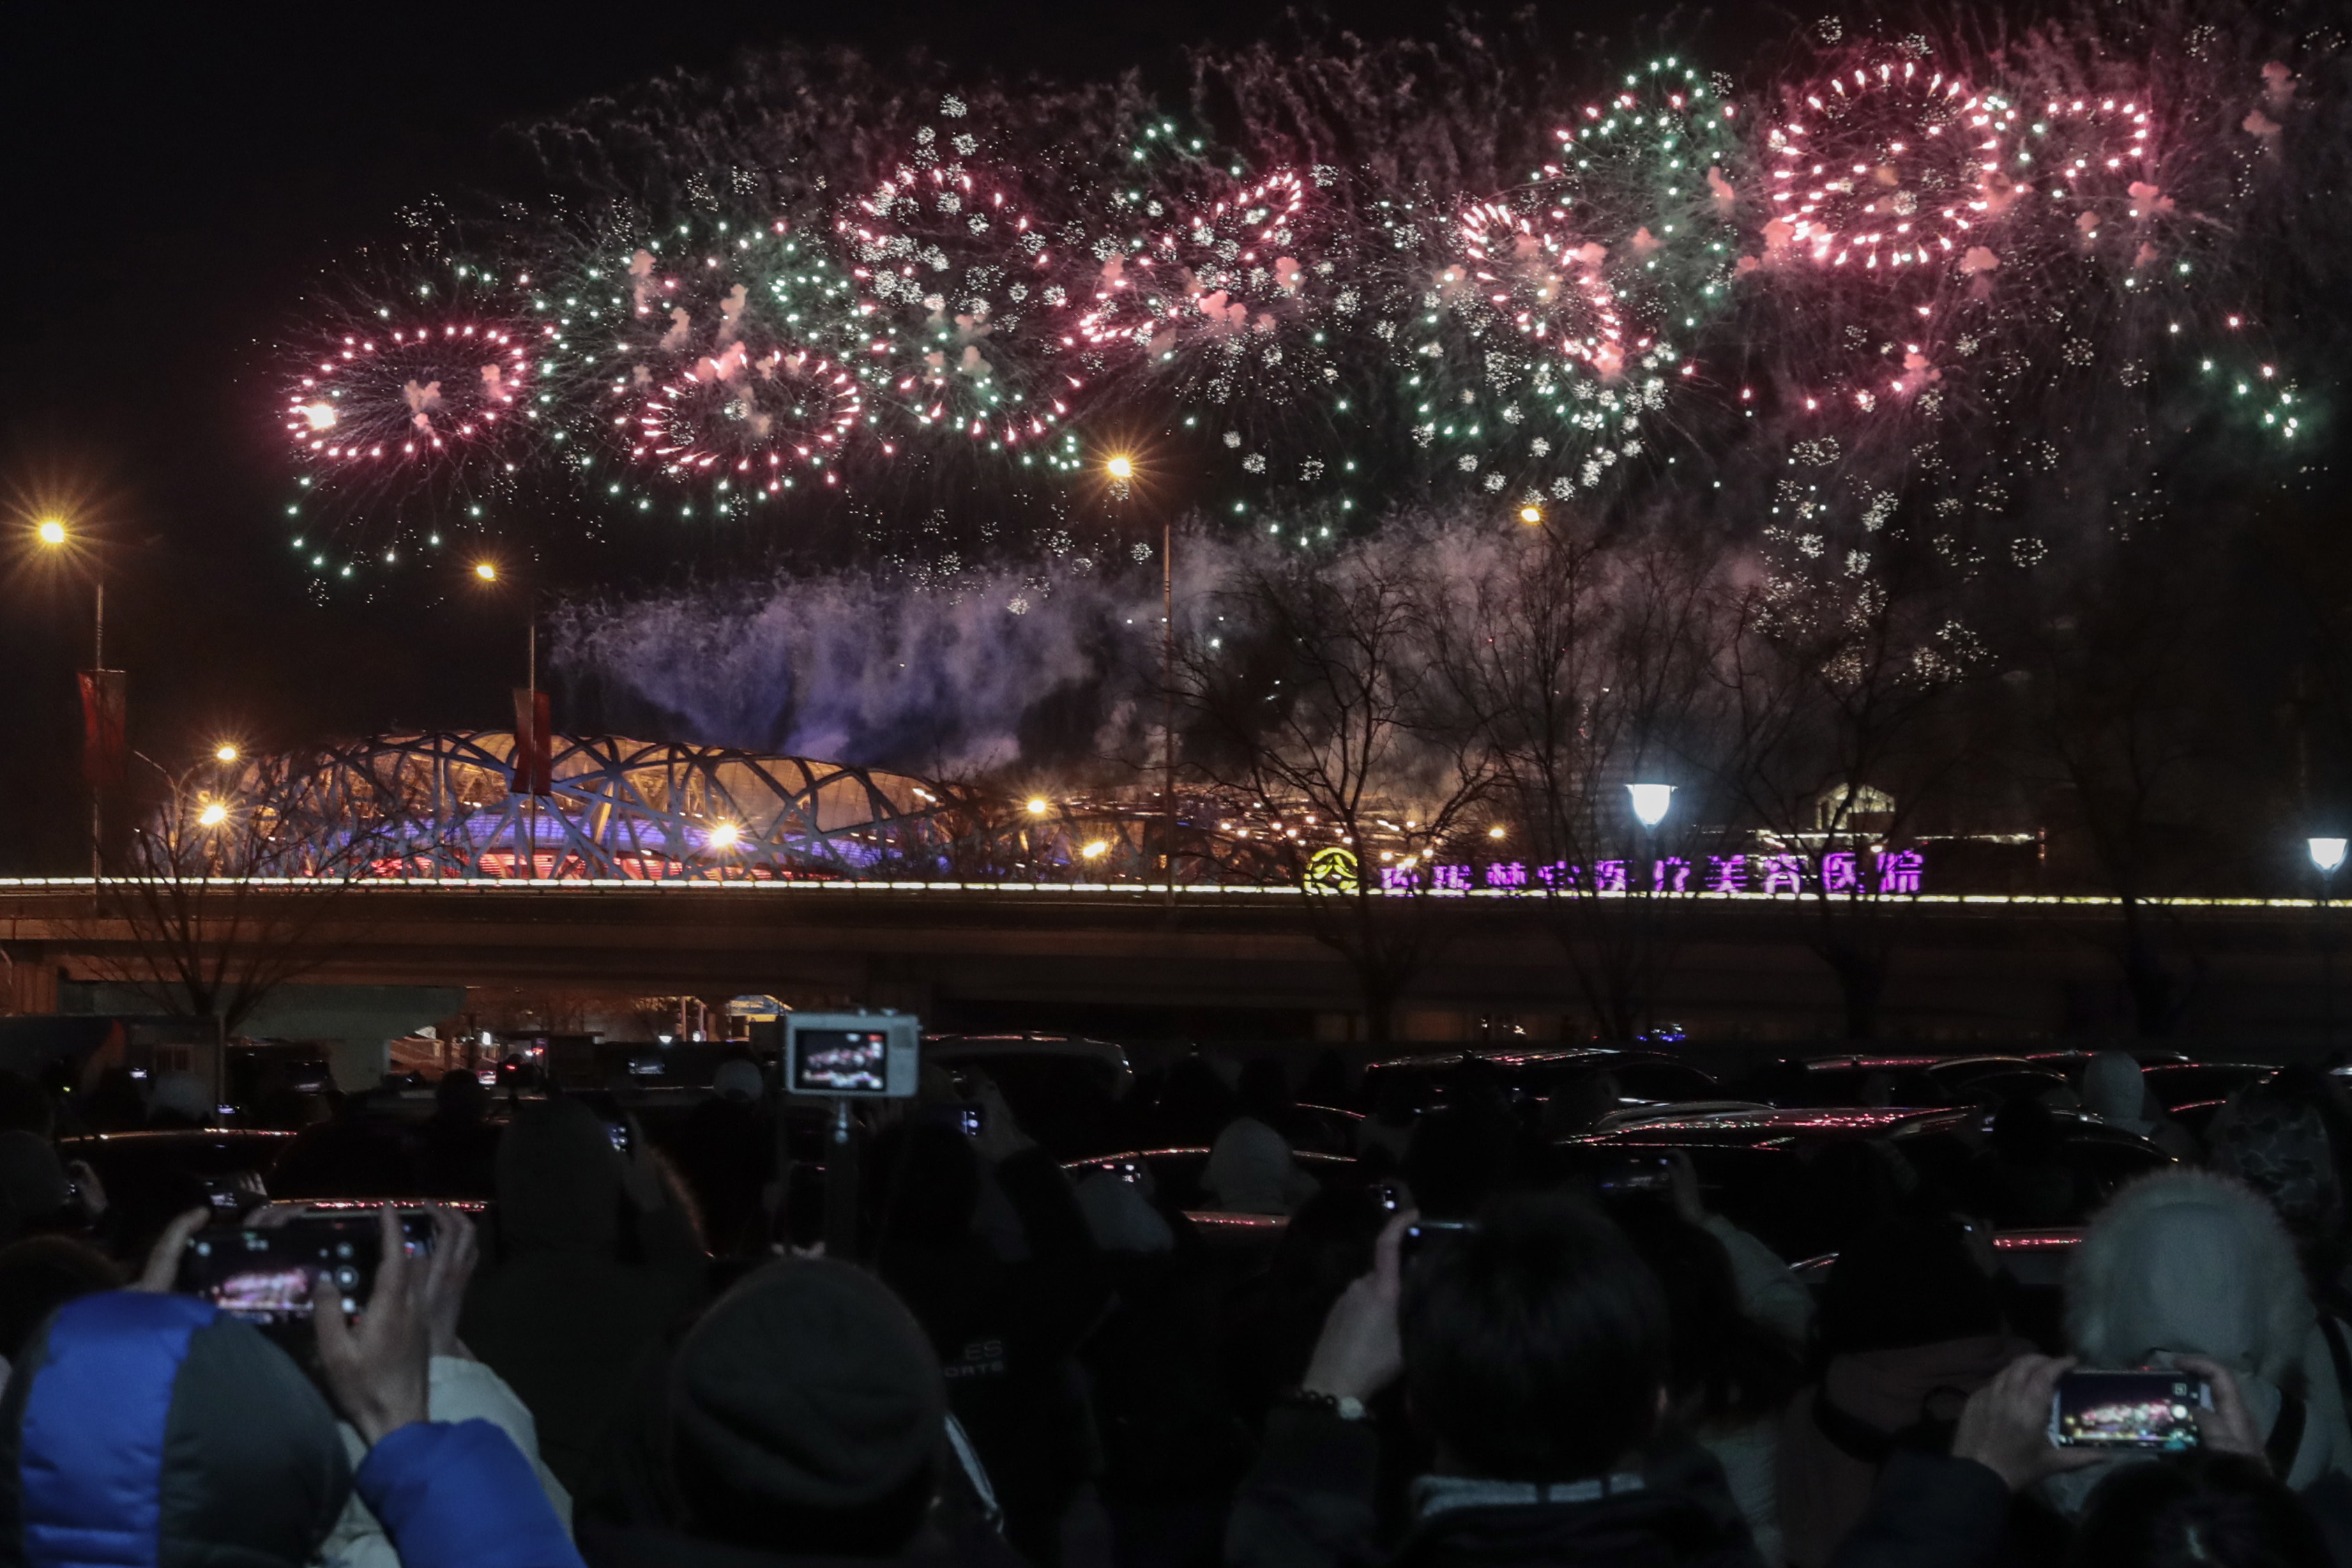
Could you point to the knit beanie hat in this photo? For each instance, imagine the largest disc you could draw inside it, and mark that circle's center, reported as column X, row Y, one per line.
column 808, row 1386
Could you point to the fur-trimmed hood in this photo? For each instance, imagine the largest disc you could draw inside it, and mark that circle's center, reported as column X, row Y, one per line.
column 2183, row 1259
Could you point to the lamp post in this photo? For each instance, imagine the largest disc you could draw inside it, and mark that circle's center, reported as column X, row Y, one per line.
column 2327, row 858
column 1122, row 469
column 486, row 572
column 53, row 534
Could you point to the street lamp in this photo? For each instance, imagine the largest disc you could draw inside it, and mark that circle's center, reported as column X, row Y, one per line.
column 1651, row 803
column 1531, row 514
column 225, row 752
column 1121, row 469
column 486, row 572
column 213, row 814
column 2327, row 858
column 55, row 535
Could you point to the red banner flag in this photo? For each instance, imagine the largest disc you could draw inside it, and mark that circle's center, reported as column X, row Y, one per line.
column 534, row 763
column 105, row 750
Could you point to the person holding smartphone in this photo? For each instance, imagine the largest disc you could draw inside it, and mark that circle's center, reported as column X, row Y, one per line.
column 146, row 1425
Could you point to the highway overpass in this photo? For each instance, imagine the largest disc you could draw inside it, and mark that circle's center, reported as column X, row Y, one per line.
column 1736, row 966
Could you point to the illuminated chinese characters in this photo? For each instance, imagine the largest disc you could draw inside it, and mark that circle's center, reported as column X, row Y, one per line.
column 1888, row 873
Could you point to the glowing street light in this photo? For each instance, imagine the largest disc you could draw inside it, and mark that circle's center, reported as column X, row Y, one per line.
column 1096, row 851
column 225, row 752
column 1122, row 469
column 1531, row 514
column 1495, row 832
column 487, row 570
column 723, row 835
column 2327, row 854
column 1651, row 802
column 213, row 815
column 51, row 531
column 1038, row 805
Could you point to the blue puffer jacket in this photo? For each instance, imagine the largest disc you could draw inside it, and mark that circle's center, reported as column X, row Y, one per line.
column 147, row 1431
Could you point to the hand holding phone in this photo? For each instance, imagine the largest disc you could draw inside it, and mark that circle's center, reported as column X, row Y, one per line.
column 2004, row 1426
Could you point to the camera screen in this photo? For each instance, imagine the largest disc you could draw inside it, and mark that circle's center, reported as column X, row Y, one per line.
column 2127, row 1409
column 841, row 1061
column 263, row 1276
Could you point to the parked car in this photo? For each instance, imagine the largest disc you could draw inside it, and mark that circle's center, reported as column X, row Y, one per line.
column 1064, row 1090
column 1887, row 1079
column 1644, row 1077
column 1805, row 1181
column 1173, row 1177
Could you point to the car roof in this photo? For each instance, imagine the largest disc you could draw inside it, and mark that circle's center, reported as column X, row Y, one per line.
column 1506, row 1056
column 968, row 1046
column 1767, row 1127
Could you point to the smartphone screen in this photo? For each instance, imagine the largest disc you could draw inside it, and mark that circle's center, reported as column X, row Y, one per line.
column 263, row 1276
column 2127, row 1410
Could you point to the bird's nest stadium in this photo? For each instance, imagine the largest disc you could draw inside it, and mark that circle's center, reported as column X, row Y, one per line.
column 445, row 805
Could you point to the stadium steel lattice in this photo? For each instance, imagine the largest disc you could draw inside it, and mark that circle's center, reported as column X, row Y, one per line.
column 441, row 805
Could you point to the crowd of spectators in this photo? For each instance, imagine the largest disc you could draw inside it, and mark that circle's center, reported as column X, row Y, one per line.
column 971, row 1354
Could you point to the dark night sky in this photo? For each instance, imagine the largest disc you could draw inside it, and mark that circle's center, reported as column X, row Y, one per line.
column 173, row 178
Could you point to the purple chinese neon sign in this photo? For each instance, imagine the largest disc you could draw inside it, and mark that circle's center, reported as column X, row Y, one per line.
column 1891, row 873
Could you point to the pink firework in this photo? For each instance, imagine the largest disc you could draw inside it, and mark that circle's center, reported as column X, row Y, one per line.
column 1545, row 283
column 1888, row 167
column 1226, row 266
column 413, row 394
column 751, row 419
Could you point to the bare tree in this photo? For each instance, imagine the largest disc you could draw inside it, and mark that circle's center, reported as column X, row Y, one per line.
column 1316, row 695
column 2119, row 685
column 1587, row 666
column 225, row 892
column 1841, row 727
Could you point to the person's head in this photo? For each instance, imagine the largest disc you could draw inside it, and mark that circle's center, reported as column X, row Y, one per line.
column 1263, row 1089
column 806, row 1407
column 1727, row 1368
column 1912, row 1282
column 2182, row 1259
column 2208, row 1510
column 1535, row 1344
column 179, row 1100
column 2113, row 1088
column 1456, row 1158
column 33, row 1190
column 152, row 1429
column 1576, row 1104
column 738, row 1081
column 559, row 1180
column 2286, row 1138
column 460, row 1098
column 39, row 1275
column 25, row 1107
column 2025, row 1131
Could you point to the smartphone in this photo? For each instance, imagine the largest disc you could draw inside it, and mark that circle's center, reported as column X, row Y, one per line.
column 962, row 1115
column 263, row 1276
column 2154, row 1410
column 1650, row 1176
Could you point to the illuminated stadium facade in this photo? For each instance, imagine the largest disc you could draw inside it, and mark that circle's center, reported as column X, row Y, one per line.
column 443, row 805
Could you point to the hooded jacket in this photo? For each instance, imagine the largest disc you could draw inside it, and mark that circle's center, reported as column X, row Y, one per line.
column 1310, row 1502
column 2187, row 1260
column 151, row 1431
column 560, row 1317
